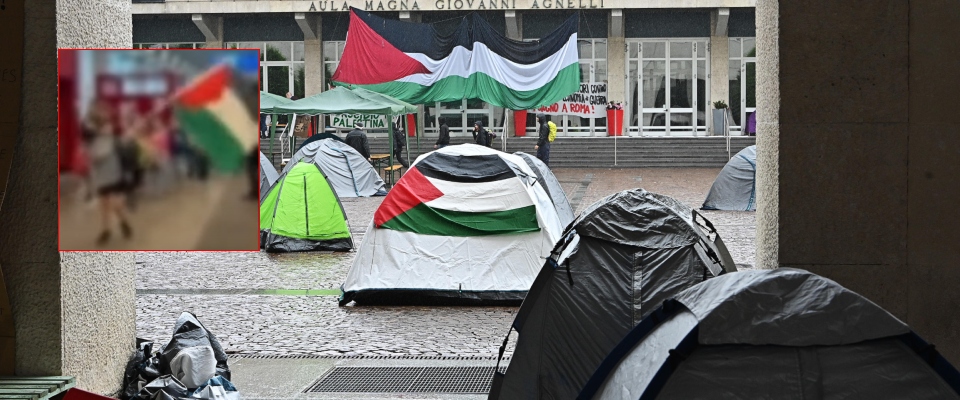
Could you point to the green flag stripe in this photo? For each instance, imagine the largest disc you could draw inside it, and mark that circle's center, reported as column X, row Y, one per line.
column 214, row 137
column 482, row 86
column 430, row 221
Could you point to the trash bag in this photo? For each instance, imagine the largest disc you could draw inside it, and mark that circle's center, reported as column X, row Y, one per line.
column 216, row 388
column 143, row 367
column 165, row 387
column 193, row 355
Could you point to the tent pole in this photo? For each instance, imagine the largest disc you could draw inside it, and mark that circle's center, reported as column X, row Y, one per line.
column 506, row 127
column 273, row 133
column 406, row 136
column 390, row 140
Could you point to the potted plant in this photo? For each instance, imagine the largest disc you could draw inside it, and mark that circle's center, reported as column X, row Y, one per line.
column 720, row 124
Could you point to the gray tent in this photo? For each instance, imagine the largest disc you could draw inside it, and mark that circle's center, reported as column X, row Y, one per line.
column 552, row 186
column 735, row 189
column 268, row 175
column 347, row 171
column 779, row 334
column 616, row 262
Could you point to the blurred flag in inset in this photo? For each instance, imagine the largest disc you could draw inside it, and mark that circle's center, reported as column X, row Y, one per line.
column 213, row 115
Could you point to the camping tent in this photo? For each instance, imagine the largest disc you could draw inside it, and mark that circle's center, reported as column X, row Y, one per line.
column 268, row 175
column 303, row 213
column 617, row 261
column 552, row 185
column 347, row 171
column 776, row 334
column 465, row 224
column 735, row 188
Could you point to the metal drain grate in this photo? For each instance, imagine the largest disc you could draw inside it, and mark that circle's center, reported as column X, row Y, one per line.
column 405, row 380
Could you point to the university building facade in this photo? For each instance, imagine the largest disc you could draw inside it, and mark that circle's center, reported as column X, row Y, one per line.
column 667, row 62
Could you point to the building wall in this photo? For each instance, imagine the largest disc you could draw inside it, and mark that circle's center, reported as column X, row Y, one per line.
column 859, row 180
column 73, row 315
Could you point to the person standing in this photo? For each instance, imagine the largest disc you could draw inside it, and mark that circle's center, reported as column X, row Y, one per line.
column 444, row 139
column 106, row 174
column 543, row 139
column 358, row 140
column 480, row 135
column 399, row 141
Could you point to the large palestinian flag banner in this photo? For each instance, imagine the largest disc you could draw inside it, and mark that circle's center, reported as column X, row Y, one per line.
column 214, row 116
column 458, row 195
column 413, row 63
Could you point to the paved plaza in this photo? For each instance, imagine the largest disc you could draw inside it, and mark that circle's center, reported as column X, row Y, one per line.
column 286, row 304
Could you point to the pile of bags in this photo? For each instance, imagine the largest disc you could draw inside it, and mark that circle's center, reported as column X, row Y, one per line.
column 191, row 366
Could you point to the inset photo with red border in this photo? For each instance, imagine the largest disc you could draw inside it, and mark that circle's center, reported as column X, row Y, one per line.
column 158, row 149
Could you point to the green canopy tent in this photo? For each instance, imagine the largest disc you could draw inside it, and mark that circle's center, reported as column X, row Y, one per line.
column 268, row 101
column 302, row 212
column 342, row 100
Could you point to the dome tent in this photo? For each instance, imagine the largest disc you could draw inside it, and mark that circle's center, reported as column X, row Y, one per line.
column 268, row 175
column 735, row 188
column 620, row 258
column 347, row 171
column 465, row 224
column 549, row 182
column 303, row 213
column 784, row 334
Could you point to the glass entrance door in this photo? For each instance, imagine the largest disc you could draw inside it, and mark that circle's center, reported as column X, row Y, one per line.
column 461, row 115
column 668, row 87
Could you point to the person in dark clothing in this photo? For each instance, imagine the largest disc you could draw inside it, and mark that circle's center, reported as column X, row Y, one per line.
column 320, row 136
column 358, row 140
column 480, row 135
column 543, row 140
column 399, row 141
column 444, row 139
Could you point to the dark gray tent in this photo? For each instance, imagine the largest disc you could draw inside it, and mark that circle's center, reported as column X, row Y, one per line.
column 735, row 188
column 616, row 262
column 268, row 175
column 778, row 334
column 552, row 186
column 347, row 171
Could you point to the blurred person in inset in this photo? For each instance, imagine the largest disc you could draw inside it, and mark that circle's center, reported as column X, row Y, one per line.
column 253, row 168
column 106, row 173
column 132, row 157
column 358, row 140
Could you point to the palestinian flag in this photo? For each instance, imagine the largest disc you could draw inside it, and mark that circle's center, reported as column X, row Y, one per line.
column 413, row 63
column 216, row 119
column 456, row 195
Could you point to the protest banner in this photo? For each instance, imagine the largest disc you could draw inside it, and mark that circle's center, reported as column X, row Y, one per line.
column 589, row 102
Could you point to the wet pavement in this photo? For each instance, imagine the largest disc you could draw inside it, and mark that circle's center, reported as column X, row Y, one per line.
column 238, row 296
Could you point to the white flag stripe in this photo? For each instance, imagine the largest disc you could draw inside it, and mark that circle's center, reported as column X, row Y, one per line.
column 502, row 195
column 233, row 114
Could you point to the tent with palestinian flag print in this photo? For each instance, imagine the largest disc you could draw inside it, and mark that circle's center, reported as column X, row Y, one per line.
column 414, row 63
column 213, row 115
column 465, row 225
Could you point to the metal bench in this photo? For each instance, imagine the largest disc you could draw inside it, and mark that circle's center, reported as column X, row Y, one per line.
column 34, row 388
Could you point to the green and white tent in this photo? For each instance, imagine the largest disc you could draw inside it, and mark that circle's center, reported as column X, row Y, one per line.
column 303, row 213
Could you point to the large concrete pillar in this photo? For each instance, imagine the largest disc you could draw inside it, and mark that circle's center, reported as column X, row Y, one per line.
column 74, row 314
column 311, row 24
column 719, row 60
column 857, row 152
column 212, row 28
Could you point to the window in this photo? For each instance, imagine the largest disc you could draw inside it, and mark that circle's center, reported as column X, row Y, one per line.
column 332, row 51
column 282, row 67
column 742, row 76
column 168, row 45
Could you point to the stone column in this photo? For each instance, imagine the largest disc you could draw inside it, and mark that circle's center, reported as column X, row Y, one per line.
column 719, row 61
column 616, row 60
column 857, row 152
column 310, row 24
column 212, row 28
column 76, row 314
